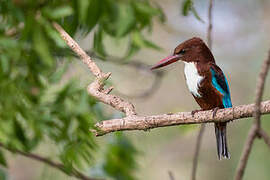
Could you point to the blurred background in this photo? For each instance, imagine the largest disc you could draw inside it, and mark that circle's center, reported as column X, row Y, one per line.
column 45, row 109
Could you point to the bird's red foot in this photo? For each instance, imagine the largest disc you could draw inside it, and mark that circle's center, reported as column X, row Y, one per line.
column 195, row 111
column 215, row 111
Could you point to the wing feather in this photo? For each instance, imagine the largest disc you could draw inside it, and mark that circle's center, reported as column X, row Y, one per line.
column 219, row 81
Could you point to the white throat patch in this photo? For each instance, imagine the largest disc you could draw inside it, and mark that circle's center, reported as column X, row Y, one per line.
column 193, row 79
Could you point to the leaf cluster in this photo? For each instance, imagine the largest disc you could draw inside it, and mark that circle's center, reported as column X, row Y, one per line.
column 34, row 107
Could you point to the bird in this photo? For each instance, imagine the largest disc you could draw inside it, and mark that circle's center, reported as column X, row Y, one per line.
column 205, row 81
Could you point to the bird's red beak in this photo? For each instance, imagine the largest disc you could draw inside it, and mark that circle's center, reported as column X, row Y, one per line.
column 166, row 61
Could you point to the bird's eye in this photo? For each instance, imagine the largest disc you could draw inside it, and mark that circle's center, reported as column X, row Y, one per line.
column 182, row 51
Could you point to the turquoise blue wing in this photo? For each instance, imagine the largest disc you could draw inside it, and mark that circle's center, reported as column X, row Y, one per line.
column 219, row 81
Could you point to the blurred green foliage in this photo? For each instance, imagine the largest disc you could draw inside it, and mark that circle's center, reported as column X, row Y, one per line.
column 188, row 7
column 120, row 154
column 33, row 58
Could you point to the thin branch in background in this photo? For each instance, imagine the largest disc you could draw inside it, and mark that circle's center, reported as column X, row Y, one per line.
column 171, row 175
column 199, row 137
column 154, row 87
column 260, row 89
column 196, row 153
column 245, row 154
column 255, row 130
column 210, row 24
column 158, row 75
column 265, row 136
column 57, row 165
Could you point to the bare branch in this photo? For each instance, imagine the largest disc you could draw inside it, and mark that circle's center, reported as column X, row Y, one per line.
column 59, row 166
column 96, row 88
column 265, row 136
column 171, row 175
column 245, row 154
column 196, row 153
column 158, row 75
column 210, row 25
column 260, row 88
column 255, row 130
column 155, row 121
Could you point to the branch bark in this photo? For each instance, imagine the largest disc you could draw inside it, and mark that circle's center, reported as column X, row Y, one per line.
column 155, row 121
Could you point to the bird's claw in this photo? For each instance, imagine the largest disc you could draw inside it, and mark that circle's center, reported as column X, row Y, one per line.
column 195, row 111
column 214, row 111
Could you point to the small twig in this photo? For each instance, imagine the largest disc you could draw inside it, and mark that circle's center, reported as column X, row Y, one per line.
column 255, row 130
column 265, row 136
column 210, row 24
column 171, row 175
column 57, row 165
column 199, row 137
column 149, row 91
column 158, row 75
column 196, row 153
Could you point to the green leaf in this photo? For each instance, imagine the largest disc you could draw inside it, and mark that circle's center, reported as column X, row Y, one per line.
column 93, row 14
column 186, row 7
column 57, row 75
column 151, row 45
column 83, row 9
column 19, row 132
column 59, row 12
column 41, row 46
column 3, row 161
column 54, row 35
column 195, row 13
column 140, row 41
column 119, row 19
column 126, row 20
column 120, row 162
column 3, row 174
column 4, row 63
column 98, row 43
column 145, row 8
column 8, row 43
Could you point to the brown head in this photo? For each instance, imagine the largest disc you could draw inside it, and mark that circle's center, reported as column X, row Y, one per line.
column 192, row 50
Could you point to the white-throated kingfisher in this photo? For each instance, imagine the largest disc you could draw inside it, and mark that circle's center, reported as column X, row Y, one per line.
column 206, row 82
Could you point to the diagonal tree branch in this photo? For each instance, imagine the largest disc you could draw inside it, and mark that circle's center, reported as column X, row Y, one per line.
column 255, row 130
column 59, row 166
column 158, row 75
column 96, row 88
column 245, row 154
